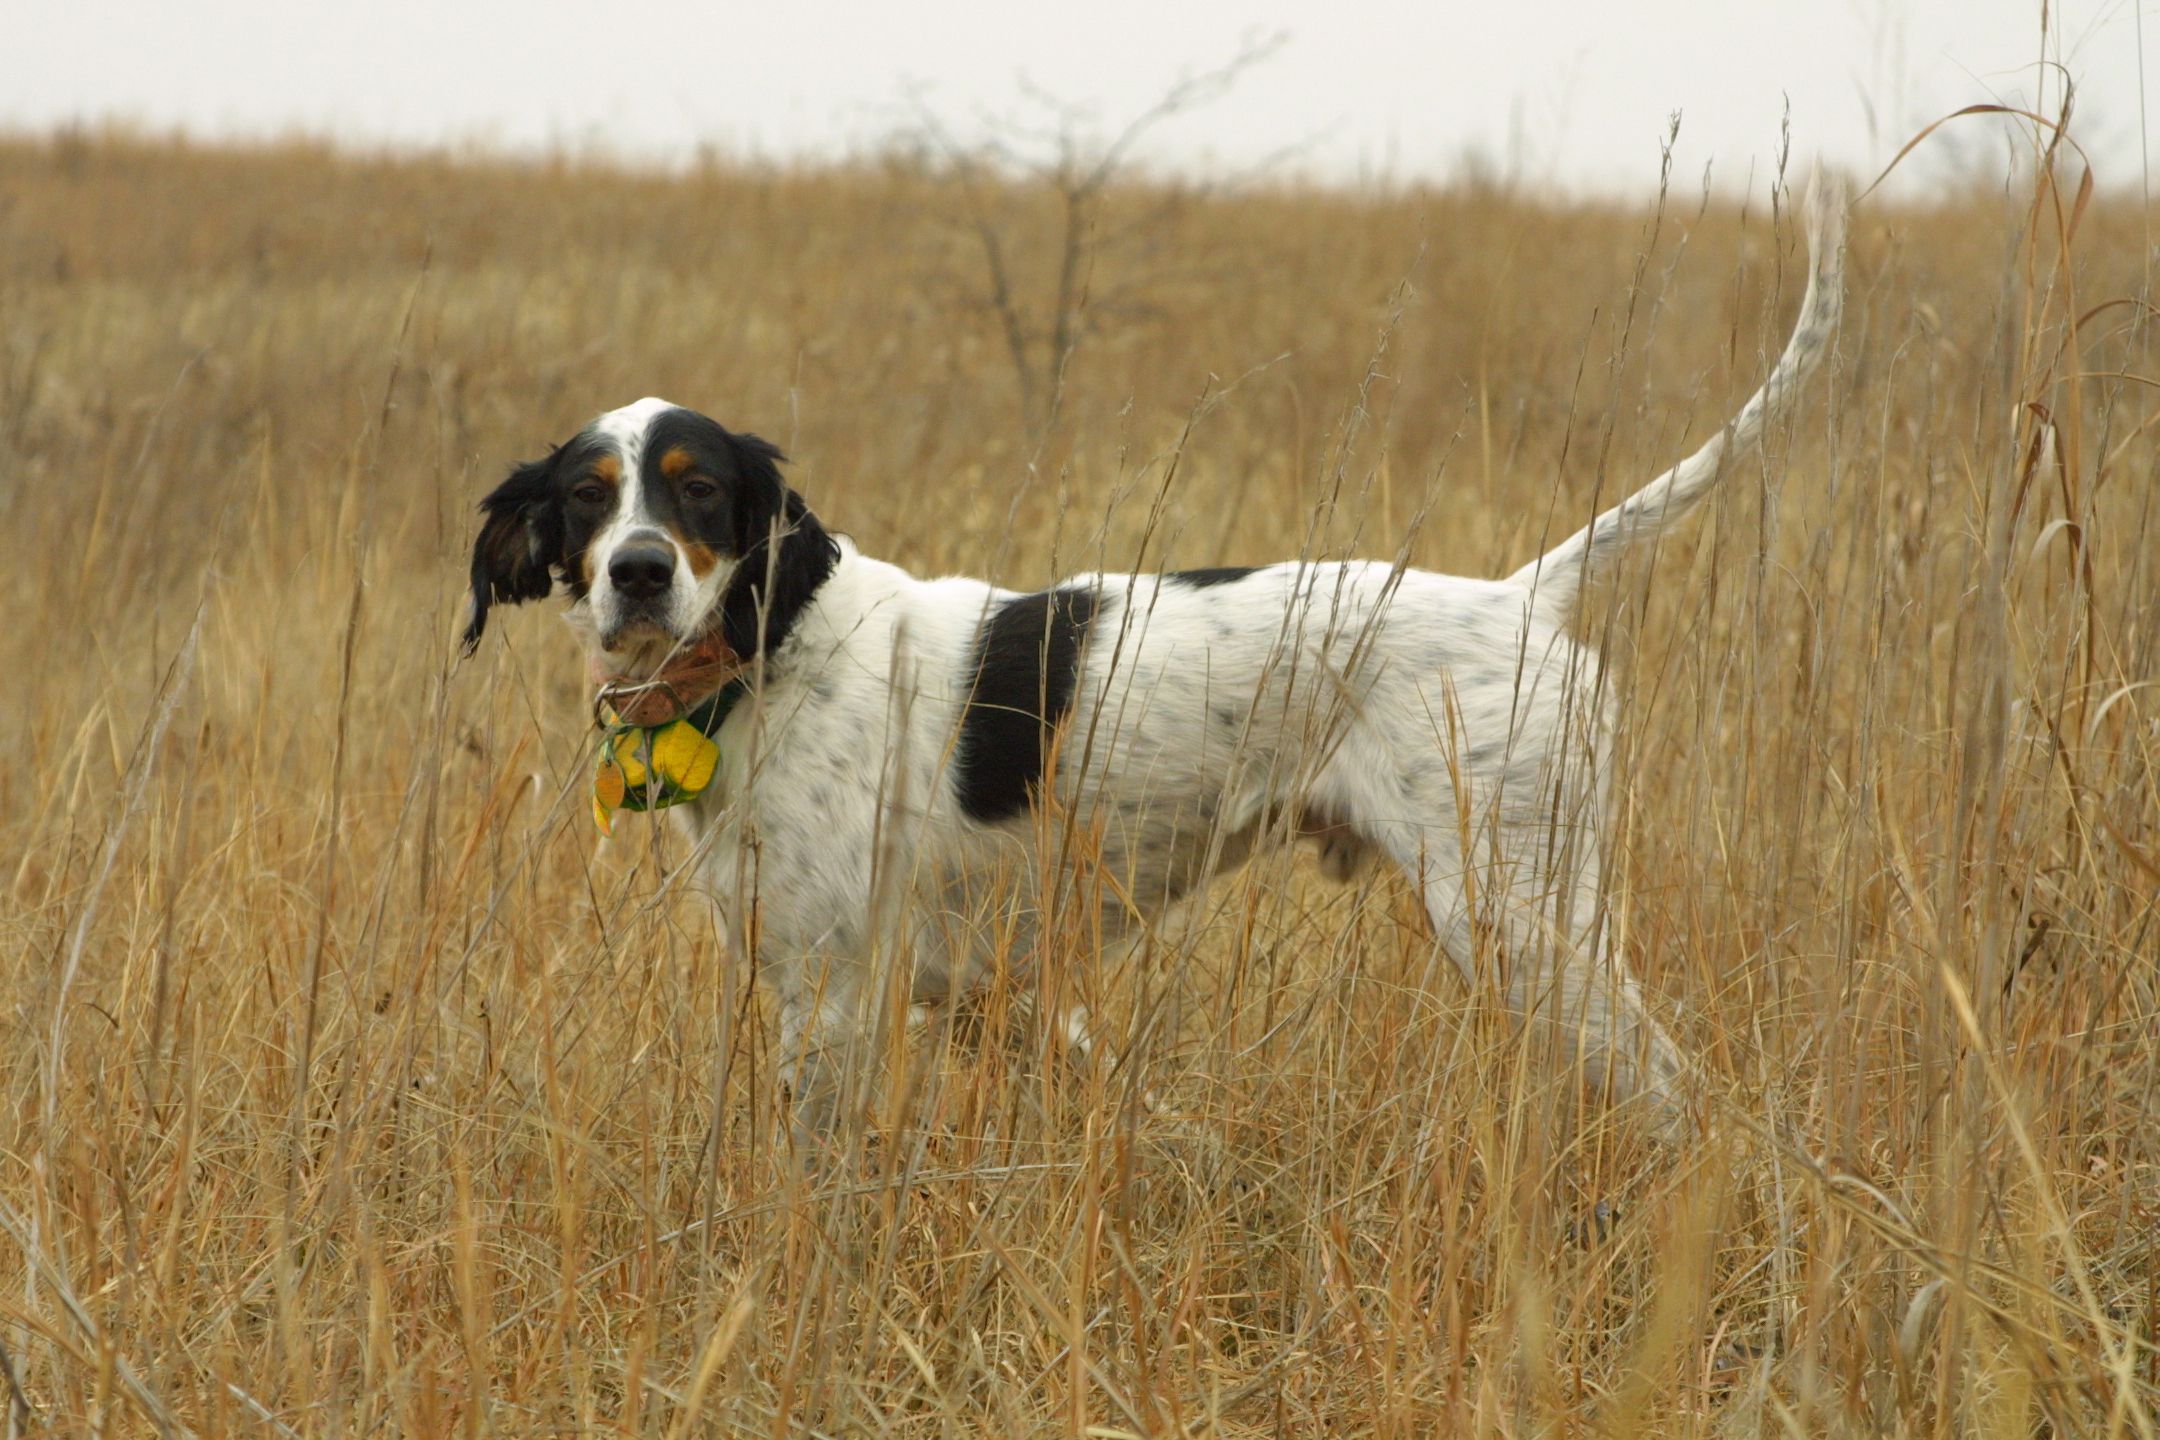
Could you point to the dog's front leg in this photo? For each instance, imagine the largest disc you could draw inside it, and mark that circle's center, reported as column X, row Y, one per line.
column 823, row 1051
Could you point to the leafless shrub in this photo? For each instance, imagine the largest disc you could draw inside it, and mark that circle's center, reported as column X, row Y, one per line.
column 1056, row 267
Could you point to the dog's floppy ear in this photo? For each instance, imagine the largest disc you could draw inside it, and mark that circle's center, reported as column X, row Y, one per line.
column 770, row 587
column 519, row 541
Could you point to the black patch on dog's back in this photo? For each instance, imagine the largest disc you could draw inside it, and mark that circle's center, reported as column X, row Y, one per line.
column 1027, row 658
column 1214, row 575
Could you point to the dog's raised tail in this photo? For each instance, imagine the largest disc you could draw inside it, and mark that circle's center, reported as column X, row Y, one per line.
column 1556, row 578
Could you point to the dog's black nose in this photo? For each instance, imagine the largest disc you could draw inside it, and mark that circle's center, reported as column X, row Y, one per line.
column 642, row 571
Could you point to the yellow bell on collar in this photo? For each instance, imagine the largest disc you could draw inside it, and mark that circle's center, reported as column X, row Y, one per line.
column 650, row 767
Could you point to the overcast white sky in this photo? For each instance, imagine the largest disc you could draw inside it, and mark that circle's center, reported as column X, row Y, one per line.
column 1567, row 93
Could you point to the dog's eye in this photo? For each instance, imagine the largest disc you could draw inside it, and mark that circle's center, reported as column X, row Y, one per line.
column 699, row 490
column 592, row 492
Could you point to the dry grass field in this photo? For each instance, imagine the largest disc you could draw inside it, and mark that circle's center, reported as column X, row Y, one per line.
column 353, row 1088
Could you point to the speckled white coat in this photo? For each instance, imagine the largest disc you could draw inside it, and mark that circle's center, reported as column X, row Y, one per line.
column 1454, row 726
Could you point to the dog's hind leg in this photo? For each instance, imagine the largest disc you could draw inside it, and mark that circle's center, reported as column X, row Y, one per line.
column 1506, row 918
column 1561, row 969
column 1076, row 1034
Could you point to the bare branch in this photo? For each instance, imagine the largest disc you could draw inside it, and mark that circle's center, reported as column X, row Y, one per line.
column 1187, row 94
column 1044, row 324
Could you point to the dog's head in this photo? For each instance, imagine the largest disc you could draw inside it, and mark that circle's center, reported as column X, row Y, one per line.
column 665, row 528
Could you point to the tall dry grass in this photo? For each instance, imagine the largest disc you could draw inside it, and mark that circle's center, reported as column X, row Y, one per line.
column 353, row 1089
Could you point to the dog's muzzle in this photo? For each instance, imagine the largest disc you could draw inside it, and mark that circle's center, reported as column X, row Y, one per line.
column 641, row 576
column 642, row 573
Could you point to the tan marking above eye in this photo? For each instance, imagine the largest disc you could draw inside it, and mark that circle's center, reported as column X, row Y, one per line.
column 675, row 462
column 608, row 468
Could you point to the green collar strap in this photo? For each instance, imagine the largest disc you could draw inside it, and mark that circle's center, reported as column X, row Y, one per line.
column 650, row 767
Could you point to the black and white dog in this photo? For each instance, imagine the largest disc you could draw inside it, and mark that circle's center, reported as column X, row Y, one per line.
column 921, row 762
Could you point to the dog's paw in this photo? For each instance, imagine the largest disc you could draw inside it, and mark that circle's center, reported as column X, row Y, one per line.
column 1594, row 1227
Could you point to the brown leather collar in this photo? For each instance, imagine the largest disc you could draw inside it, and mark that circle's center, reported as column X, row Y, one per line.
column 690, row 676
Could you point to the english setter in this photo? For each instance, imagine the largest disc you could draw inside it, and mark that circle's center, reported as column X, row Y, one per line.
column 915, row 763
